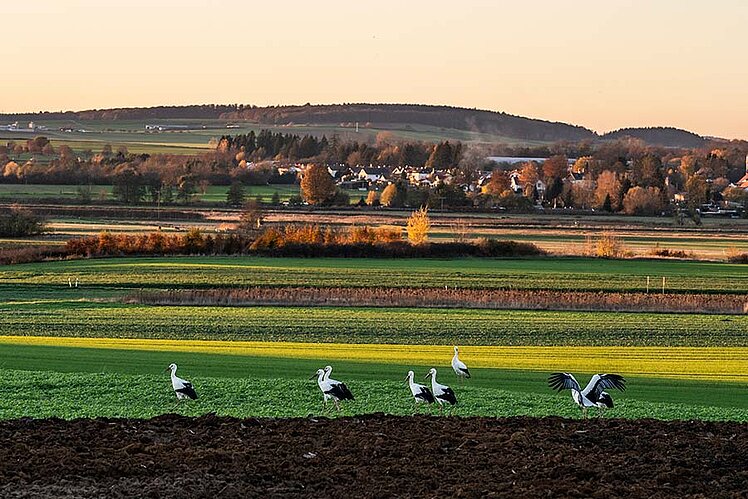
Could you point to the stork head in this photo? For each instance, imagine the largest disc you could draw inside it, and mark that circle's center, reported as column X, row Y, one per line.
column 320, row 372
column 172, row 368
column 456, row 350
column 410, row 375
column 432, row 372
column 328, row 369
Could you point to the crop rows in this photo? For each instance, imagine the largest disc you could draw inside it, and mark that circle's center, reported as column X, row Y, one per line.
column 372, row 325
column 118, row 275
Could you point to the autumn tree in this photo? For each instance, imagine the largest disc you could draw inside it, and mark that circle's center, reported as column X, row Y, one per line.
column 317, row 186
column 608, row 187
column 529, row 173
column 555, row 167
column 648, row 171
column 499, row 183
column 250, row 220
column 643, row 201
column 688, row 165
column 698, row 191
column 418, row 226
column 393, row 196
column 372, row 198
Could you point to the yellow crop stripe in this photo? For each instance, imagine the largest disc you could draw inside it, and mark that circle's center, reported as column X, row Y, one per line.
column 718, row 363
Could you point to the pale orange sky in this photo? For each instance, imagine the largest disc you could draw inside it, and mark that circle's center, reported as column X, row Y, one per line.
column 600, row 64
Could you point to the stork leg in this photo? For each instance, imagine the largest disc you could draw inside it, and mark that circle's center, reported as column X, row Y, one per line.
column 584, row 412
column 337, row 404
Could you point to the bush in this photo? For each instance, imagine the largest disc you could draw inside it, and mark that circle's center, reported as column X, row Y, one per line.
column 20, row 222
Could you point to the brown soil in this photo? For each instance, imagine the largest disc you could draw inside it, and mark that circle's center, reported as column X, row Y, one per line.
column 372, row 456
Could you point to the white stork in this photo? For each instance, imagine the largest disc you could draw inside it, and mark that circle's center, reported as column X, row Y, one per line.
column 442, row 393
column 331, row 389
column 594, row 394
column 182, row 387
column 421, row 394
column 459, row 367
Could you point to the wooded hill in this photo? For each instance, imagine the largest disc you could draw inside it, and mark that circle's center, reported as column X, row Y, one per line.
column 381, row 116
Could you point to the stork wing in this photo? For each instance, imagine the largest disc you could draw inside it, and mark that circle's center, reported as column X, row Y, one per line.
column 340, row 391
column 600, row 382
column 426, row 395
column 448, row 395
column 563, row 381
column 187, row 390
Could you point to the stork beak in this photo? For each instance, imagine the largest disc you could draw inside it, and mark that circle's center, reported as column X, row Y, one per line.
column 429, row 374
column 167, row 369
column 313, row 376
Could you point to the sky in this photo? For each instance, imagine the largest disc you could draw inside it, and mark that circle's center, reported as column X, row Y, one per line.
column 600, row 64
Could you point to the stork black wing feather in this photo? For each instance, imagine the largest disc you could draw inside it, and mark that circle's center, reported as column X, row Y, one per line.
column 562, row 381
column 448, row 396
column 466, row 371
column 607, row 381
column 426, row 395
column 341, row 392
column 188, row 390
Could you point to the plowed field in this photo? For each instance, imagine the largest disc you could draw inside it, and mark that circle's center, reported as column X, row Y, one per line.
column 372, row 456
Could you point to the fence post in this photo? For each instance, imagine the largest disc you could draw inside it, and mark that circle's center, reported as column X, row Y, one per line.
column 647, row 284
column 663, row 285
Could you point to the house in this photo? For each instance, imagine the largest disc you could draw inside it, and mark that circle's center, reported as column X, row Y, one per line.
column 575, row 178
column 372, row 174
column 743, row 182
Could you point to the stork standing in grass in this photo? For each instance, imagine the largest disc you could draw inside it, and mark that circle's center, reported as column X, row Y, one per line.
column 421, row 394
column 331, row 389
column 182, row 387
column 594, row 394
column 459, row 367
column 442, row 393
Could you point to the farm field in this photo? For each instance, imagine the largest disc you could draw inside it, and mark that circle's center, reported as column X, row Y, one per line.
column 132, row 134
column 372, row 325
column 420, row 456
column 77, row 342
column 76, row 382
column 125, row 275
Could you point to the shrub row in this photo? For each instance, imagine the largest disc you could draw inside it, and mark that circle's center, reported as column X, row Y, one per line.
column 29, row 254
column 448, row 298
column 302, row 241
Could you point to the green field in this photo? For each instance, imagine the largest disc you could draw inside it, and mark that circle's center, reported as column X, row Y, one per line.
column 107, row 277
column 132, row 134
column 371, row 325
column 35, row 300
column 69, row 383
column 215, row 194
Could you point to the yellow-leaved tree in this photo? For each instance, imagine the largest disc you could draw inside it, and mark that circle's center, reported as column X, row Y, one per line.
column 419, row 226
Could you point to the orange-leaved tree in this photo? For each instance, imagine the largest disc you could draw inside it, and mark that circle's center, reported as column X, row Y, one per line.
column 418, row 226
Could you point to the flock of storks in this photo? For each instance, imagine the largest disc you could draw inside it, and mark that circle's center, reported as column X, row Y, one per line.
column 593, row 395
